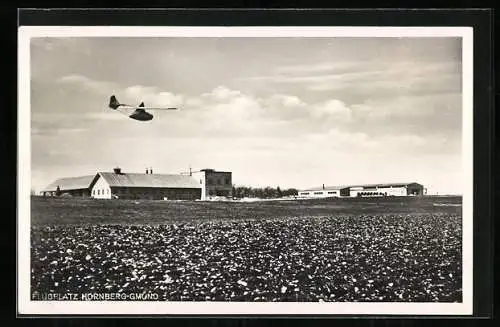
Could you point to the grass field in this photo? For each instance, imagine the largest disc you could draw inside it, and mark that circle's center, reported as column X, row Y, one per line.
column 383, row 249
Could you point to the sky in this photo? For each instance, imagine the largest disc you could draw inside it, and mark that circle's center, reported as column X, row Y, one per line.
column 288, row 112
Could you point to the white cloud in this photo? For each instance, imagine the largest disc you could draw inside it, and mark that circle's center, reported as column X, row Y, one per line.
column 285, row 101
column 222, row 93
column 106, row 116
column 332, row 109
column 371, row 78
column 224, row 111
column 152, row 96
column 317, row 67
column 408, row 107
column 100, row 87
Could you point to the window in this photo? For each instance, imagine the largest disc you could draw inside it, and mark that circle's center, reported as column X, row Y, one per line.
column 218, row 181
column 201, row 182
column 98, row 192
column 227, row 181
column 107, row 191
column 304, row 193
column 318, row 192
column 332, row 192
column 209, row 181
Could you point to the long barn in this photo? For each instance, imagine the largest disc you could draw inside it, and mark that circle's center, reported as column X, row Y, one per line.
column 72, row 186
column 204, row 185
column 144, row 186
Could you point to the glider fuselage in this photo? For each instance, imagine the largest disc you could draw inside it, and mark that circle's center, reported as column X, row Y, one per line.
column 142, row 115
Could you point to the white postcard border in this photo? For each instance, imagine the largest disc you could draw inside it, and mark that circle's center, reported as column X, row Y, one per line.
column 26, row 306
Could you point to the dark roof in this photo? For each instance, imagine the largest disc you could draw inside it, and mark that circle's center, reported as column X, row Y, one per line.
column 70, row 183
column 148, row 180
column 339, row 187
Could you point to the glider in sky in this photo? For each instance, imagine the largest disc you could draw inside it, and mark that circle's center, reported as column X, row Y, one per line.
column 139, row 113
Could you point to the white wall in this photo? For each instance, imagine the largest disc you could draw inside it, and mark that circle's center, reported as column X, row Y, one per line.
column 391, row 191
column 199, row 176
column 353, row 192
column 101, row 189
column 395, row 191
column 319, row 194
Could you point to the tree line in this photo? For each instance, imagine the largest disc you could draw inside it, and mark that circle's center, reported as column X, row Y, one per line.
column 262, row 192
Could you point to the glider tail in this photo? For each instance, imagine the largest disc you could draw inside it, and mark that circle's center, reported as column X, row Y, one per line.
column 113, row 102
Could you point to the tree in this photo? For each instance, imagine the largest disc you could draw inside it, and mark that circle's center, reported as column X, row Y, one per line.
column 290, row 192
column 262, row 192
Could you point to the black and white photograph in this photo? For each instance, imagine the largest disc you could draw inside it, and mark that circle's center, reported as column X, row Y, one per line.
column 245, row 170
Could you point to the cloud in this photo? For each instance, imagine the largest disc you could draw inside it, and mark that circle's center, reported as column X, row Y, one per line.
column 434, row 107
column 332, row 109
column 228, row 112
column 225, row 109
column 318, row 67
column 222, row 93
column 106, row 116
column 285, row 100
column 56, row 124
column 221, row 112
column 100, row 87
column 370, row 78
column 153, row 96
column 363, row 144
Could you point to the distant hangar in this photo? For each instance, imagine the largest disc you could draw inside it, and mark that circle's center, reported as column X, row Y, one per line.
column 202, row 185
column 365, row 190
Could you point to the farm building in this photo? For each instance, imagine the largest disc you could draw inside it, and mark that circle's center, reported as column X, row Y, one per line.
column 366, row 190
column 144, row 186
column 214, row 183
column 74, row 186
column 117, row 184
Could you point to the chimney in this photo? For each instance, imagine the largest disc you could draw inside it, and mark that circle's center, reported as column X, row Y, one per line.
column 150, row 170
column 117, row 170
column 147, row 171
column 323, row 186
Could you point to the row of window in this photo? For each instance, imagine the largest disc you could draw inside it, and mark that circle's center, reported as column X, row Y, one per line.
column 372, row 194
column 218, row 181
column 126, row 191
column 100, row 192
column 318, row 193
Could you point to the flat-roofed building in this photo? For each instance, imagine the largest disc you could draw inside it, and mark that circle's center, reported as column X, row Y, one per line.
column 365, row 190
column 214, row 183
column 324, row 192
